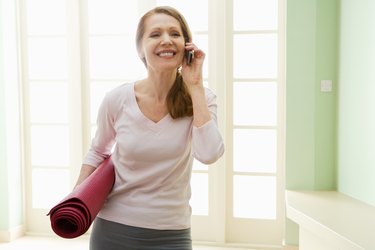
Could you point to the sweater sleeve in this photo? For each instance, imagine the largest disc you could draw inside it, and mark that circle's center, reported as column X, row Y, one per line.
column 102, row 143
column 207, row 142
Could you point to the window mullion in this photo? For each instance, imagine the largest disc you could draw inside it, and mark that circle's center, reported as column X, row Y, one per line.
column 219, row 71
column 75, row 86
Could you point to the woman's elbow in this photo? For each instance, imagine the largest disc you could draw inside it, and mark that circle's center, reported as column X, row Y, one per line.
column 212, row 156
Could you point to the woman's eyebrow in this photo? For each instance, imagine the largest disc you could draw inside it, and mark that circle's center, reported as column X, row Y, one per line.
column 158, row 28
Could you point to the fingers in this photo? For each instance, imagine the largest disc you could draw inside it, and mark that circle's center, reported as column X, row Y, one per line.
column 198, row 53
column 190, row 46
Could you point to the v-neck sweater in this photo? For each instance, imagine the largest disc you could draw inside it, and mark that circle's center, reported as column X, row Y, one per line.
column 153, row 160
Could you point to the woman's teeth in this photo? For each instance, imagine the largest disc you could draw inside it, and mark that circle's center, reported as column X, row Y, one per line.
column 166, row 54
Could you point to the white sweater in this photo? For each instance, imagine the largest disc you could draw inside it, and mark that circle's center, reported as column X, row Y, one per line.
column 153, row 161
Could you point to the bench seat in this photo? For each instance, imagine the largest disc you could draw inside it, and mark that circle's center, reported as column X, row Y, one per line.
column 330, row 220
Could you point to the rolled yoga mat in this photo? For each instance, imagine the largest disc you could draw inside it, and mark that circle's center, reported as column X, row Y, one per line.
column 73, row 216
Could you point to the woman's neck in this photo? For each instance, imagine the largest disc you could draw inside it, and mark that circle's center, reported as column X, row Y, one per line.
column 158, row 84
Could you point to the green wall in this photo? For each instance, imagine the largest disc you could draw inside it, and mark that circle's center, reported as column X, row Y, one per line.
column 356, row 105
column 311, row 56
column 330, row 137
column 311, row 114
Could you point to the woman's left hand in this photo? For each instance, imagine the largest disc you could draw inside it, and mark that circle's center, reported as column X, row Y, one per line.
column 192, row 73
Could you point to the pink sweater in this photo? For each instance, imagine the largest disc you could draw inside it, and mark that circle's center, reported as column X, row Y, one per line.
column 153, row 161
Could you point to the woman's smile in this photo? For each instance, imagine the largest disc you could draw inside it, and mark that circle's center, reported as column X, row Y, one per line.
column 166, row 53
column 163, row 42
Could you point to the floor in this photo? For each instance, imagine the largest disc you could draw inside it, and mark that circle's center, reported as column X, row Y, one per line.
column 55, row 243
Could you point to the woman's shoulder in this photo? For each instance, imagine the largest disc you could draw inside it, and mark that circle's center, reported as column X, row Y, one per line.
column 120, row 91
column 117, row 96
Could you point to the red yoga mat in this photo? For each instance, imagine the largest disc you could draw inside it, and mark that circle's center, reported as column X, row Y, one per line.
column 73, row 216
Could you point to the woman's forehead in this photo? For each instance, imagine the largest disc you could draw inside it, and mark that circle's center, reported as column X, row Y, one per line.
column 160, row 20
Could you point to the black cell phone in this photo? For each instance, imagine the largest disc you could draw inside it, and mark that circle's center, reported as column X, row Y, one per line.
column 189, row 54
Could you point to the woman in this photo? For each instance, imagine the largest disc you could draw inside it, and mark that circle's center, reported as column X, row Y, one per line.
column 158, row 125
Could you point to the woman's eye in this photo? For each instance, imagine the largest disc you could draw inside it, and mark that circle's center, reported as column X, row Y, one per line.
column 154, row 35
column 176, row 34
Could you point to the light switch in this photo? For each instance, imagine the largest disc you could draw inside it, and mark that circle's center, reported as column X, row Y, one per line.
column 326, row 85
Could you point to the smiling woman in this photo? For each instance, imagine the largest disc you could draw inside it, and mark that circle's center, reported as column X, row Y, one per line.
column 161, row 40
column 155, row 135
column 164, row 31
column 87, row 48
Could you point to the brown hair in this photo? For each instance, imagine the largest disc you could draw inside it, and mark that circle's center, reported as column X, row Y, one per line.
column 179, row 102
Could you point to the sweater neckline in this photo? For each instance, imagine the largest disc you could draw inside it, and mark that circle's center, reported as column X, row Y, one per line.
column 143, row 118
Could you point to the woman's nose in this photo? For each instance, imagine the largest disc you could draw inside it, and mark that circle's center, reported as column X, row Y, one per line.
column 166, row 39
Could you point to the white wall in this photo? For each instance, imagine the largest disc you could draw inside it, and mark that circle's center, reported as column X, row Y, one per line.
column 11, row 202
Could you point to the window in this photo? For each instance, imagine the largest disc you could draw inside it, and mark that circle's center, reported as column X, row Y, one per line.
column 88, row 47
column 256, row 80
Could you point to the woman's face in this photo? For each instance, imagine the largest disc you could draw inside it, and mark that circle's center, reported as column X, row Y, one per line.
column 163, row 43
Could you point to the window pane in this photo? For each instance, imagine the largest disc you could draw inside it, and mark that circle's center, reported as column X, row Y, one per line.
column 97, row 93
column 199, row 199
column 254, row 197
column 206, row 84
column 202, row 42
column 92, row 131
column 47, row 58
column 49, row 102
column 194, row 11
column 255, row 104
column 46, row 17
column 49, row 145
column 197, row 165
column 112, row 16
column 49, row 187
column 255, row 14
column 255, row 56
column 115, row 58
column 254, row 150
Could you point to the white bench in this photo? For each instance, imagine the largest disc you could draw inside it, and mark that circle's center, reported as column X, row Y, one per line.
column 329, row 220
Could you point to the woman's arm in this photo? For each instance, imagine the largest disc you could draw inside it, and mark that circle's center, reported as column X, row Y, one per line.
column 193, row 78
column 86, row 171
column 208, row 145
column 102, row 142
column 201, row 112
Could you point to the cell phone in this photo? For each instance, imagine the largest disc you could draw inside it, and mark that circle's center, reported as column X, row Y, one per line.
column 189, row 54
